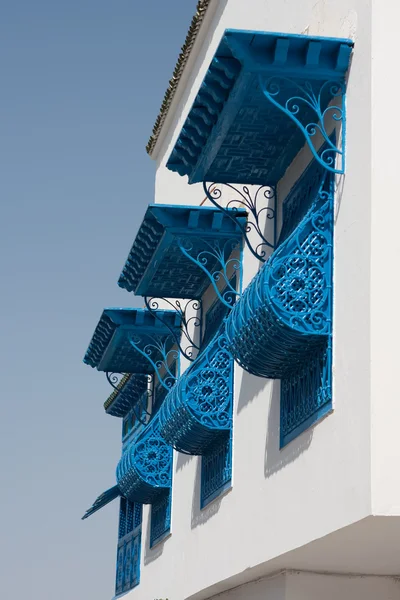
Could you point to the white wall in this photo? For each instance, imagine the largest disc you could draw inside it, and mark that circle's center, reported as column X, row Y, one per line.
column 385, row 326
column 282, row 500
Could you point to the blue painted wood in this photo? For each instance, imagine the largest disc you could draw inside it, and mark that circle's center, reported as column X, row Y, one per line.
column 248, row 126
column 111, row 349
column 158, row 267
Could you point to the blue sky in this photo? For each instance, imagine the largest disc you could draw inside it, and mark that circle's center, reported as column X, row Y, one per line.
column 81, row 85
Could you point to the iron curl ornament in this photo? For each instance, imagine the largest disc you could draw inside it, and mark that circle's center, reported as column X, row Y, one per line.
column 218, row 264
column 316, row 109
column 191, row 316
column 261, row 206
column 159, row 354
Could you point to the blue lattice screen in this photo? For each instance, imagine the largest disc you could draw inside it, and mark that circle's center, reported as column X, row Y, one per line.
column 160, row 524
column 216, row 469
column 129, row 544
column 306, row 392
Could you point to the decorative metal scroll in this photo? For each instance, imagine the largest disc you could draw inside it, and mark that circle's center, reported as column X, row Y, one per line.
column 114, row 379
column 185, row 340
column 218, row 264
column 316, row 109
column 261, row 206
column 159, row 354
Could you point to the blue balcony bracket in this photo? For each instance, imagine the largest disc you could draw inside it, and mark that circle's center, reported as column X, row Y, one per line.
column 315, row 108
column 260, row 204
column 145, row 469
column 159, row 353
column 191, row 316
column 198, row 410
column 219, row 261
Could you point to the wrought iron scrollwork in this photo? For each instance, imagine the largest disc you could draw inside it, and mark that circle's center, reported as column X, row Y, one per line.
column 114, row 379
column 159, row 354
column 315, row 108
column 260, row 204
column 186, row 342
column 218, row 264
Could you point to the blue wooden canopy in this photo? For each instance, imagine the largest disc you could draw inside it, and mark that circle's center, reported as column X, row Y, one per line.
column 104, row 499
column 156, row 266
column 111, row 349
column 263, row 96
column 127, row 393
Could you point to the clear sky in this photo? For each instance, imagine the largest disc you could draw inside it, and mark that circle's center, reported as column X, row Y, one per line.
column 81, row 85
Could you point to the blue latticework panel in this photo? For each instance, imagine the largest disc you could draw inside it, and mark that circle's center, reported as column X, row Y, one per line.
column 306, row 395
column 249, row 124
column 216, row 469
column 160, row 523
column 285, row 314
column 129, row 543
column 128, row 563
column 199, row 407
column 145, row 468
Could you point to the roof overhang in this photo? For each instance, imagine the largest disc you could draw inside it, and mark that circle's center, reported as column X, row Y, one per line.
column 111, row 349
column 263, row 96
column 156, row 266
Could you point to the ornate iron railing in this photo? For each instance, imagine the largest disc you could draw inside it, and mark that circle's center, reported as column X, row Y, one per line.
column 285, row 314
column 145, row 468
column 199, row 407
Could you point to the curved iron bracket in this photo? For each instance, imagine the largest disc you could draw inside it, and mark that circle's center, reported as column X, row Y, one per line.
column 156, row 353
column 225, row 196
column 216, row 261
column 185, row 342
column 316, row 108
column 114, row 379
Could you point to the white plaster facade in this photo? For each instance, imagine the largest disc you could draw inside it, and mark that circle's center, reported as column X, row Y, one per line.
column 328, row 502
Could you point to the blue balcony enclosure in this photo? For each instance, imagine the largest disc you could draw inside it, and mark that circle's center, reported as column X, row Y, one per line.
column 144, row 471
column 198, row 410
column 126, row 395
column 264, row 96
column 145, row 468
column 285, row 314
column 163, row 261
column 132, row 340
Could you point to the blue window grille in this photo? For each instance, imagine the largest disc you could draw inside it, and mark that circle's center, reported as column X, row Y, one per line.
column 160, row 524
column 129, row 545
column 216, row 470
column 306, row 392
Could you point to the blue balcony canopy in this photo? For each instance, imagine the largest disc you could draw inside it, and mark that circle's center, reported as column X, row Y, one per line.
column 111, row 347
column 198, row 409
column 145, row 469
column 156, row 265
column 264, row 96
column 127, row 393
